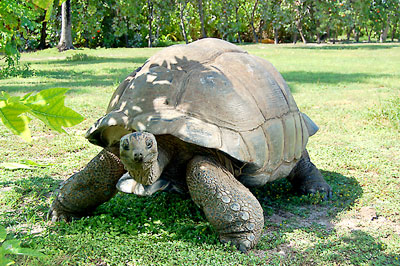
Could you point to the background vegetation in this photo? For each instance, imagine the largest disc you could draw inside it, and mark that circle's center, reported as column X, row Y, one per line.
column 350, row 91
column 115, row 23
column 37, row 24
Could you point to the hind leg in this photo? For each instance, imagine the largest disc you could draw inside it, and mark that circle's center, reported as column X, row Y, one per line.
column 307, row 179
column 228, row 205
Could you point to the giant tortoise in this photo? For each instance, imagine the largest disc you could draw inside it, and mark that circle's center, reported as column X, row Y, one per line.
column 207, row 119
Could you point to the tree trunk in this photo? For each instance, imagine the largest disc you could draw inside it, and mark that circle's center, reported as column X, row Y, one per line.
column 126, row 34
column 237, row 23
column 299, row 25
column 318, row 24
column 182, row 21
column 334, row 36
column 328, row 33
column 356, row 34
column 43, row 34
column 201, row 15
column 276, row 35
column 348, row 34
column 255, row 37
column 294, row 36
column 261, row 28
column 66, row 27
column 384, row 33
column 158, row 29
column 368, row 33
column 150, row 18
column 300, row 29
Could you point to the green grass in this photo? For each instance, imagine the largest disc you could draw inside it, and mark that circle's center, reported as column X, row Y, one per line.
column 351, row 91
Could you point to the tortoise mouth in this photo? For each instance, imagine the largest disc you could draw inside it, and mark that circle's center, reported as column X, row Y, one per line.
column 141, row 172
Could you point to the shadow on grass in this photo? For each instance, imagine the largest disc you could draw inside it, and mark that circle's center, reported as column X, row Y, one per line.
column 281, row 195
column 169, row 219
column 28, row 190
column 329, row 77
column 90, row 60
column 73, row 80
column 288, row 213
column 180, row 220
column 346, row 47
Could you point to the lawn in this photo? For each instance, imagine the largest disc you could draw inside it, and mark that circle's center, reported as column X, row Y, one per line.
column 351, row 91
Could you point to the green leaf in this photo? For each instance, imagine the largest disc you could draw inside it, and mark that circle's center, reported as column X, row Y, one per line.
column 44, row 4
column 3, row 233
column 48, row 12
column 28, row 252
column 33, row 163
column 13, row 166
column 48, row 106
column 13, row 247
column 4, row 96
column 10, row 246
column 23, row 164
column 48, row 5
column 45, row 97
column 10, row 48
column 10, row 114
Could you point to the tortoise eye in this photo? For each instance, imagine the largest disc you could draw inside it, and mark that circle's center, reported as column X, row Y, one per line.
column 125, row 144
column 149, row 143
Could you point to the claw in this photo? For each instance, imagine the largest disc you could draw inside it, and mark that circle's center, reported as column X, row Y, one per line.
column 313, row 188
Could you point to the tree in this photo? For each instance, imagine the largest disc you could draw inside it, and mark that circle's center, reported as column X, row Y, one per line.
column 182, row 6
column 201, row 16
column 43, row 34
column 253, row 14
column 150, row 17
column 66, row 27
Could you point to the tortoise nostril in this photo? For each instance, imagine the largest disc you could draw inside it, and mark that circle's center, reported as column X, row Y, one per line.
column 138, row 157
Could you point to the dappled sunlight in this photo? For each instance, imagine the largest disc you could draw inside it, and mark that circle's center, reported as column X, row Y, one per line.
column 356, row 148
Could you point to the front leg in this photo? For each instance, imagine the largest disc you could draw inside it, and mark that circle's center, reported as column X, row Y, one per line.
column 84, row 191
column 228, row 205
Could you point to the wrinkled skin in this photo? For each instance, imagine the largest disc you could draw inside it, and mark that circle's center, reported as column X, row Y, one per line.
column 84, row 191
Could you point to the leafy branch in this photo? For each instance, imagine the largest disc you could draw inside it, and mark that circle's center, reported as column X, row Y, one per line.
column 47, row 105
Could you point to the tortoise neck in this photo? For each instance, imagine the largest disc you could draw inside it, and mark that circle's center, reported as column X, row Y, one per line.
column 163, row 159
column 158, row 166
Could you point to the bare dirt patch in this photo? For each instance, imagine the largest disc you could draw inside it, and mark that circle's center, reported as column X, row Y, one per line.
column 366, row 217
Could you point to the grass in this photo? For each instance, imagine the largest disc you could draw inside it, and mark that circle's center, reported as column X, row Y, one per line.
column 351, row 91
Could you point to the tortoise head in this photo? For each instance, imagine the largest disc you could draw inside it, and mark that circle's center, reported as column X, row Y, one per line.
column 139, row 153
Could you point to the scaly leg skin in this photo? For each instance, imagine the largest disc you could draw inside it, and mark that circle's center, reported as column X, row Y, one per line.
column 84, row 191
column 307, row 179
column 228, row 205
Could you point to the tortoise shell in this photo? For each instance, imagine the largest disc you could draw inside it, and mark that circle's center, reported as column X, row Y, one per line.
column 213, row 94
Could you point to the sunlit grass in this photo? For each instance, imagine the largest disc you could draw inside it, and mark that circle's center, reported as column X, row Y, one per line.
column 351, row 91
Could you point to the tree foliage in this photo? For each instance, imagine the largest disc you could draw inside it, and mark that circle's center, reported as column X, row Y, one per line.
column 17, row 19
column 139, row 23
